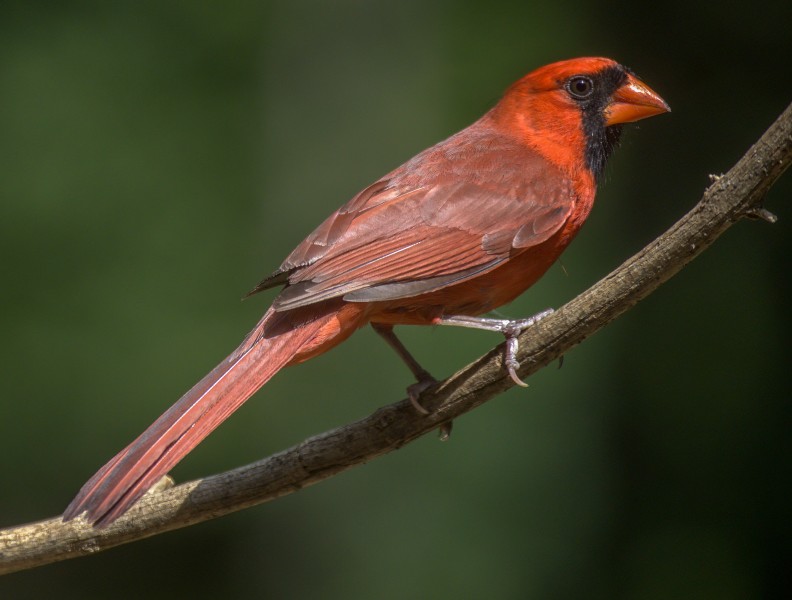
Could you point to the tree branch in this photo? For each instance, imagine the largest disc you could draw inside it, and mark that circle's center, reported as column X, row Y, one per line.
column 737, row 194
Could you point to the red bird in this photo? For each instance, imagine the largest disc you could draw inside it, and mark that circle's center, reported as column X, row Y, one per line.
column 459, row 230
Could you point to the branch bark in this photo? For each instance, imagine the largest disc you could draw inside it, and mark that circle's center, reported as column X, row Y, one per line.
column 737, row 194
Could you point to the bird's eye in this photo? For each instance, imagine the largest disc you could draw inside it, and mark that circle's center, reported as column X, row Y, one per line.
column 580, row 87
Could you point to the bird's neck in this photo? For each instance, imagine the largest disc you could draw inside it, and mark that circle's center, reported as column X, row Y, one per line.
column 578, row 144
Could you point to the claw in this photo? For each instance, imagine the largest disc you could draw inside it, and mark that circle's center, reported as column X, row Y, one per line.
column 514, row 377
column 444, row 431
column 415, row 390
column 510, row 329
column 510, row 360
column 425, row 380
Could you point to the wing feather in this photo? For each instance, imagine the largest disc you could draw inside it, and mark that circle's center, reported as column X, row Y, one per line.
column 427, row 225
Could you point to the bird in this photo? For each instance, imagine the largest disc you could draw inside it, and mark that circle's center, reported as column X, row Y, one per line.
column 462, row 228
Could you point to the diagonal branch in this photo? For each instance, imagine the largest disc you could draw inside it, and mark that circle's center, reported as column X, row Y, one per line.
column 737, row 194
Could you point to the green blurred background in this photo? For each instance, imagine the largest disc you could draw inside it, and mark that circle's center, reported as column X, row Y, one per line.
column 159, row 158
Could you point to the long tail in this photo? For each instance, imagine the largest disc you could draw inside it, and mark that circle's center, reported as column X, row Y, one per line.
column 278, row 340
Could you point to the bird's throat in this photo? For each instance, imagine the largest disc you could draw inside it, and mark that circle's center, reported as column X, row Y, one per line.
column 601, row 141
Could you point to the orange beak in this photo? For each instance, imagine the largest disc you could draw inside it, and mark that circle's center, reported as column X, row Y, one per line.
column 634, row 101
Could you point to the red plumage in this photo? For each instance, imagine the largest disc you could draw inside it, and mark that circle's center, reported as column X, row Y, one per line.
column 459, row 230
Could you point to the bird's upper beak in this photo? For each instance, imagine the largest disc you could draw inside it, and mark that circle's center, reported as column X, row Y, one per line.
column 634, row 101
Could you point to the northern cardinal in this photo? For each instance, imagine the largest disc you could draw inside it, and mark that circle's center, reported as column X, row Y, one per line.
column 457, row 231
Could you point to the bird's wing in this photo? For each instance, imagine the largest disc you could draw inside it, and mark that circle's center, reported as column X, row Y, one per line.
column 397, row 240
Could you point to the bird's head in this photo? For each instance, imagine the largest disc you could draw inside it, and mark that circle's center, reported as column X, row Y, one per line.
column 571, row 111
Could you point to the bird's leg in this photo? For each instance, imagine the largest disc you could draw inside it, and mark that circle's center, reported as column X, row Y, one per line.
column 423, row 376
column 509, row 328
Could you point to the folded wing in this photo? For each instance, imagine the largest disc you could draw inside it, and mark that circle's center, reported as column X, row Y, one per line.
column 403, row 236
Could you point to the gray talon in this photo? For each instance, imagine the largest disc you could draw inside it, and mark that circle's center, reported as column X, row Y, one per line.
column 415, row 390
column 510, row 329
column 444, row 431
column 510, row 360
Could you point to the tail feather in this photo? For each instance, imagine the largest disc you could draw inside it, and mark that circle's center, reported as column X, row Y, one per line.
column 127, row 477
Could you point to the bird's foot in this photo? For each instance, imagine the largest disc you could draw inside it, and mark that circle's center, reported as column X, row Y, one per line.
column 424, row 378
column 413, row 393
column 511, row 329
column 416, row 389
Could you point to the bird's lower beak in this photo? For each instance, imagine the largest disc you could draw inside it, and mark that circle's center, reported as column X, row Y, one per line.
column 634, row 101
